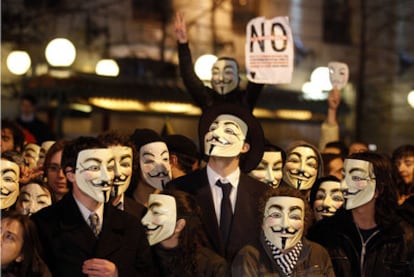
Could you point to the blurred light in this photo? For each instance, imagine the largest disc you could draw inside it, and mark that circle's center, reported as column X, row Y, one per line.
column 60, row 52
column 310, row 88
column 117, row 104
column 81, row 107
column 294, row 114
column 18, row 62
column 320, row 77
column 107, row 67
column 173, row 107
column 410, row 98
column 263, row 113
column 203, row 66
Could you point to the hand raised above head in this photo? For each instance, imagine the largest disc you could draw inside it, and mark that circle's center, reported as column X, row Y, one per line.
column 180, row 28
column 334, row 99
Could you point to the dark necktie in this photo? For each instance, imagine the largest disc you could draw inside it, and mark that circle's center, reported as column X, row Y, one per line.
column 226, row 214
column 94, row 223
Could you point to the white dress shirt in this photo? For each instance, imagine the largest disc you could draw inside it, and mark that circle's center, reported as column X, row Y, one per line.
column 216, row 191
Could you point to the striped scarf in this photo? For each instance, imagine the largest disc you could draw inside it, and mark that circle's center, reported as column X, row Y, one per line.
column 286, row 262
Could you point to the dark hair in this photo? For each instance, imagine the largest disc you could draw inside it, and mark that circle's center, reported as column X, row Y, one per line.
column 56, row 147
column 341, row 146
column 42, row 185
column 192, row 236
column 269, row 147
column 302, row 143
column 386, row 202
column 317, row 184
column 110, row 138
column 18, row 135
column 14, row 156
column 401, row 152
column 32, row 264
column 29, row 97
column 185, row 150
column 327, row 158
column 286, row 190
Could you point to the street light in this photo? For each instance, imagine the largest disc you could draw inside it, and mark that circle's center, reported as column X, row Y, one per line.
column 203, row 66
column 18, row 62
column 410, row 98
column 60, row 52
column 107, row 67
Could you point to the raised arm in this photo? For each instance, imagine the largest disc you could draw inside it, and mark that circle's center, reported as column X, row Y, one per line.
column 180, row 28
column 195, row 87
column 330, row 128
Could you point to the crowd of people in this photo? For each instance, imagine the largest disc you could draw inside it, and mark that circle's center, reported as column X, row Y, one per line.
column 141, row 204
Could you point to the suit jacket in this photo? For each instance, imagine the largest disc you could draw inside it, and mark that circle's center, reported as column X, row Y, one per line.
column 133, row 207
column 68, row 241
column 246, row 220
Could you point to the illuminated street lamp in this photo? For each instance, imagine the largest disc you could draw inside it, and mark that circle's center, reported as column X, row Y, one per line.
column 410, row 98
column 18, row 62
column 60, row 52
column 107, row 67
column 203, row 66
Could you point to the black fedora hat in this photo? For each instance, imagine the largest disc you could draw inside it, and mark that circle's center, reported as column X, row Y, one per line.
column 254, row 137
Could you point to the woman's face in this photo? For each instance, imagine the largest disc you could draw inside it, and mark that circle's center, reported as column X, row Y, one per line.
column 11, row 241
column 55, row 177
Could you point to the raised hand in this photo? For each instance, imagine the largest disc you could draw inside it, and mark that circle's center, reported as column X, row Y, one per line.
column 180, row 28
column 334, row 99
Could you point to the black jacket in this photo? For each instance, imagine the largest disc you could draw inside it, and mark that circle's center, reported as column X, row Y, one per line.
column 68, row 241
column 388, row 253
column 206, row 97
column 246, row 221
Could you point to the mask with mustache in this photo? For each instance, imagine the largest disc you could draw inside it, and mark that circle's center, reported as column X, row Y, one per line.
column 123, row 169
column 301, row 168
column 283, row 221
column 95, row 173
column 160, row 219
column 226, row 136
column 9, row 183
column 154, row 160
column 328, row 199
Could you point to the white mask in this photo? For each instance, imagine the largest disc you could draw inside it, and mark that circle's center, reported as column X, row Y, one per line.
column 224, row 76
column 32, row 198
column 154, row 160
column 359, row 183
column 225, row 137
column 10, row 173
column 283, row 221
column 43, row 151
column 338, row 74
column 95, row 173
column 31, row 154
column 301, row 168
column 160, row 218
column 269, row 170
column 123, row 168
column 328, row 199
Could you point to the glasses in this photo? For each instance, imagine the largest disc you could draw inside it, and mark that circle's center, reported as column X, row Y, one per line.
column 54, row 168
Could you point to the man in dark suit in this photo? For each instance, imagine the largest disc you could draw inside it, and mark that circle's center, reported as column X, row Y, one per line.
column 233, row 141
column 84, row 235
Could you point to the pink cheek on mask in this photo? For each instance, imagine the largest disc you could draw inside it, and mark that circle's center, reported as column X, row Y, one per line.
column 360, row 184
